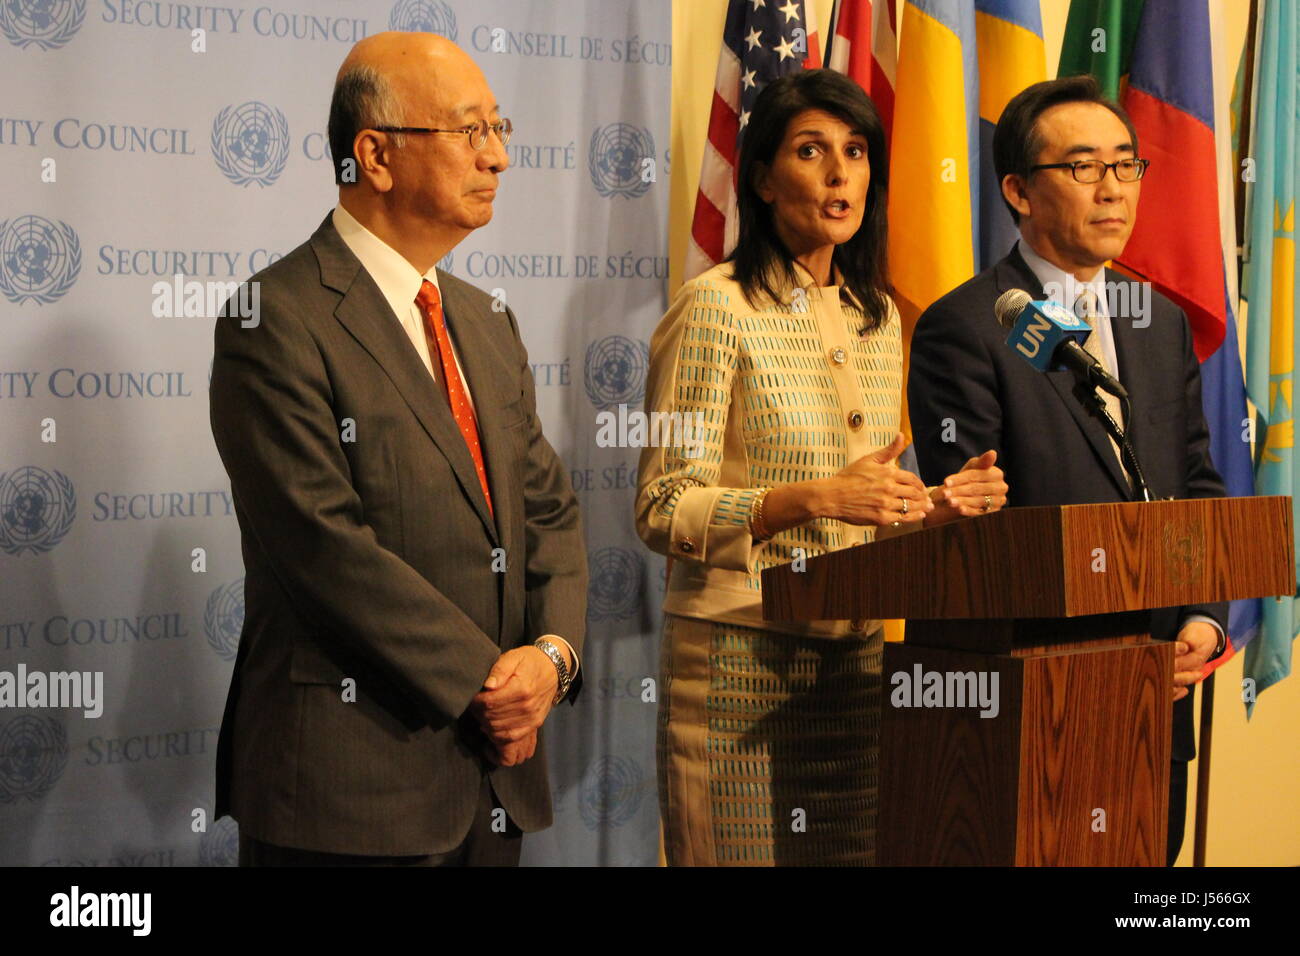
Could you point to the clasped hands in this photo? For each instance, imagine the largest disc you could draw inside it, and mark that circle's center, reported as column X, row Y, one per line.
column 881, row 493
column 514, row 702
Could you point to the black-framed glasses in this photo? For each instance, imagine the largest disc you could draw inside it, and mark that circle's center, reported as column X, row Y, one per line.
column 477, row 132
column 1088, row 171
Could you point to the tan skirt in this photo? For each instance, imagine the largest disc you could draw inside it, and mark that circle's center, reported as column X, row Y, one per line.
column 767, row 746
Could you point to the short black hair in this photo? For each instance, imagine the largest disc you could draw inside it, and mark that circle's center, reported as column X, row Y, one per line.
column 362, row 100
column 1017, row 140
column 760, row 258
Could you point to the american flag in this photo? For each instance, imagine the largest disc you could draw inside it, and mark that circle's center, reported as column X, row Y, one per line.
column 760, row 42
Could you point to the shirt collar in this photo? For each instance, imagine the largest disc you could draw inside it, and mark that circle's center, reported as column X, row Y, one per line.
column 397, row 279
column 1053, row 277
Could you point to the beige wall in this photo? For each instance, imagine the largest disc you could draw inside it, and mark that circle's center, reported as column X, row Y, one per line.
column 1255, row 785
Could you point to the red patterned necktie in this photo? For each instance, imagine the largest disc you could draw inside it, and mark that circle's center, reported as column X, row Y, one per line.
column 435, row 330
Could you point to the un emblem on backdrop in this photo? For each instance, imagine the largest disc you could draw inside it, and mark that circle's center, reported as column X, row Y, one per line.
column 250, row 143
column 36, row 509
column 33, row 753
column 615, row 159
column 615, row 589
column 39, row 259
column 219, row 846
column 223, row 619
column 611, row 792
column 423, row 16
column 615, row 371
column 47, row 24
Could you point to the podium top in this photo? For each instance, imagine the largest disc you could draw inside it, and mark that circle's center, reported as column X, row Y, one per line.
column 1057, row 561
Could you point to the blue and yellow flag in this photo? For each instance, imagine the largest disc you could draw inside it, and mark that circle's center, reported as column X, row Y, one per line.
column 1269, row 286
column 1009, row 39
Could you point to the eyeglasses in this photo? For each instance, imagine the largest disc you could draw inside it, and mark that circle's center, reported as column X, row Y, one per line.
column 1088, row 171
column 477, row 133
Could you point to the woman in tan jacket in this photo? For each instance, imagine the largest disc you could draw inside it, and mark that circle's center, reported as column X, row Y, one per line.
column 782, row 372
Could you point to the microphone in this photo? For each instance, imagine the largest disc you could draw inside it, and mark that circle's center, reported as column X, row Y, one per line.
column 1047, row 335
column 1050, row 337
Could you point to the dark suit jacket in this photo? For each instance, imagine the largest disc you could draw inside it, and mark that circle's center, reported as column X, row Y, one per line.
column 1051, row 449
column 373, row 559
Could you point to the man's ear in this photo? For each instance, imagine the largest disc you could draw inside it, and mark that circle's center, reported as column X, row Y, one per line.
column 762, row 186
column 1013, row 189
column 373, row 151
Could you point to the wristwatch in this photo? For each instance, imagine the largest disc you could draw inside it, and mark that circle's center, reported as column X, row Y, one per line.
column 561, row 668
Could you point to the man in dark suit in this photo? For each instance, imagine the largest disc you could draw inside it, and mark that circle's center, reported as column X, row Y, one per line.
column 1070, row 171
column 415, row 584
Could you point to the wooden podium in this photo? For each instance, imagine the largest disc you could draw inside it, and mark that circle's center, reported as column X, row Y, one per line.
column 1054, row 604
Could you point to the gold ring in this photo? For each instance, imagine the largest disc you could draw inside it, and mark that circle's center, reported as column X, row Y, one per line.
column 988, row 502
column 904, row 501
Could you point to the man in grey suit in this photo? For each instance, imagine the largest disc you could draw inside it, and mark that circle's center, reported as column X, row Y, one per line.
column 416, row 577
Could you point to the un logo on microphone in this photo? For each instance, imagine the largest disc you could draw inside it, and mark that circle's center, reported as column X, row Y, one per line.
column 33, row 754
column 39, row 259
column 615, row 371
column 36, row 509
column 223, row 619
column 250, row 143
column 616, row 160
column 423, row 16
column 47, row 24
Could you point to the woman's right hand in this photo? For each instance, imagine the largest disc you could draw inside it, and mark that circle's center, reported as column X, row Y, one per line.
column 872, row 490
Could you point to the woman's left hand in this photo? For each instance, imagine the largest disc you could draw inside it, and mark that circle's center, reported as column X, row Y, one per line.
column 977, row 489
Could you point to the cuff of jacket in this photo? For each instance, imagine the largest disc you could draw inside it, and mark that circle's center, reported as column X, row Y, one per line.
column 711, row 526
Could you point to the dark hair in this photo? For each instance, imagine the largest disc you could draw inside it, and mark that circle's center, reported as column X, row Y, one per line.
column 1017, row 141
column 362, row 100
column 761, row 259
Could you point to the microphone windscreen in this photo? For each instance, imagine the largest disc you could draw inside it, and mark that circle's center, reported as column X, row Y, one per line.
column 1009, row 306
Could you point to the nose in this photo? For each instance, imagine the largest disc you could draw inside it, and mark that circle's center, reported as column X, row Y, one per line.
column 493, row 154
column 1109, row 187
column 837, row 170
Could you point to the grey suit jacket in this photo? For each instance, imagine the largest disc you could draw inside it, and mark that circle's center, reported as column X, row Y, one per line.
column 370, row 554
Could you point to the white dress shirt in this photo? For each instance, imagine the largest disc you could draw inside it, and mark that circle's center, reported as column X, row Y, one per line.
column 400, row 283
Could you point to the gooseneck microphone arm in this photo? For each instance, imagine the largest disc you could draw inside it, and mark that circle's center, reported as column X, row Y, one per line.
column 1090, row 397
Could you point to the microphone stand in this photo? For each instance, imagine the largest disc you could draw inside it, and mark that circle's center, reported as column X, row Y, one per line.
column 1091, row 398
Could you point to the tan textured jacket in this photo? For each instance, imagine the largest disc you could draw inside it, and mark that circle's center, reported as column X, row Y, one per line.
column 752, row 398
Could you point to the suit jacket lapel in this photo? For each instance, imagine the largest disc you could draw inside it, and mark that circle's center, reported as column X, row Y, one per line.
column 365, row 313
column 485, row 385
column 1014, row 273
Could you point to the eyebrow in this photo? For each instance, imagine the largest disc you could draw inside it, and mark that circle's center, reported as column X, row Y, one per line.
column 822, row 132
column 467, row 109
column 1083, row 148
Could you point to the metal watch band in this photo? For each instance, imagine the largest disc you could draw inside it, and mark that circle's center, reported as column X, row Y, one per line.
column 561, row 668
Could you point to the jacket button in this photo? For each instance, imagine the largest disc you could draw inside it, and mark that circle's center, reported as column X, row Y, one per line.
column 686, row 546
column 839, row 356
column 855, row 419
